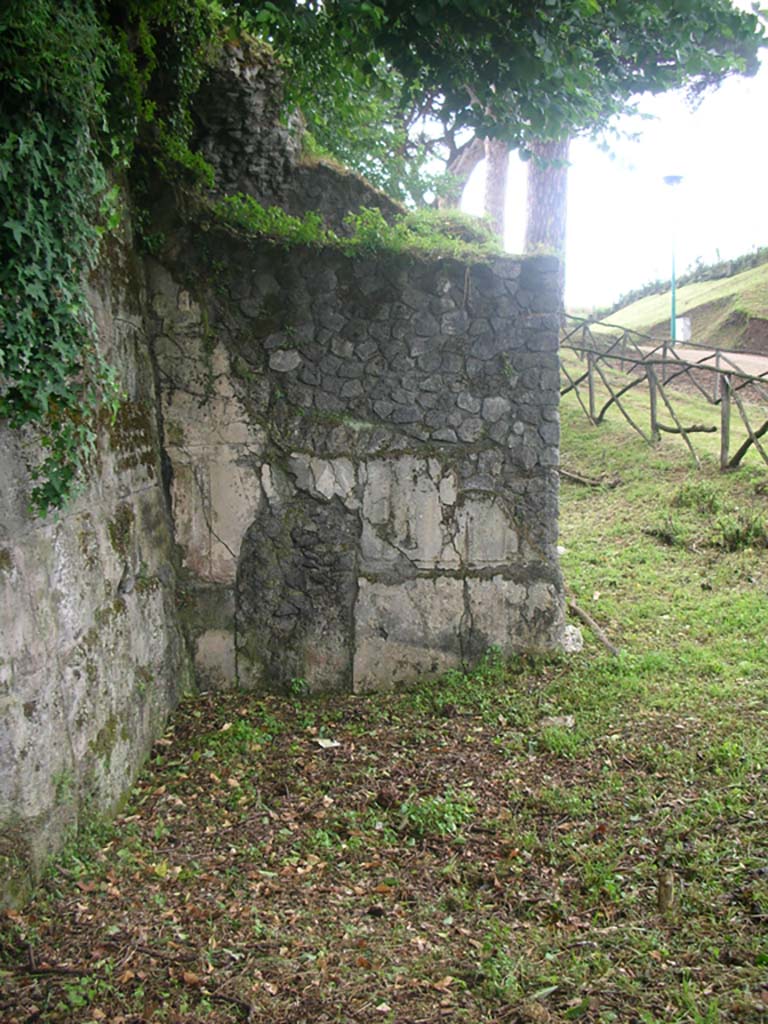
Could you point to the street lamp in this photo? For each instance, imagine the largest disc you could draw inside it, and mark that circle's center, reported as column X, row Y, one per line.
column 672, row 180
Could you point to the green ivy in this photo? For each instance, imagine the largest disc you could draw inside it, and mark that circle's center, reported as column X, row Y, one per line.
column 243, row 211
column 53, row 194
column 164, row 48
column 84, row 85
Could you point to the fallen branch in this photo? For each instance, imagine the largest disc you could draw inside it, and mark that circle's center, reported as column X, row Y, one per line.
column 587, row 619
column 589, row 481
column 129, row 948
column 43, row 971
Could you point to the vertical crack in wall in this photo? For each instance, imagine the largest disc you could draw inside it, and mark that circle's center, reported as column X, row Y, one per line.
column 466, row 626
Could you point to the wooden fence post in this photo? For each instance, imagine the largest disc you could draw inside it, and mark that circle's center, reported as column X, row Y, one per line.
column 725, row 418
column 653, row 394
column 591, row 383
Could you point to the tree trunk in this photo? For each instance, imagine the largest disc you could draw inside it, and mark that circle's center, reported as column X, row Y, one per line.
column 496, row 172
column 460, row 167
column 548, row 200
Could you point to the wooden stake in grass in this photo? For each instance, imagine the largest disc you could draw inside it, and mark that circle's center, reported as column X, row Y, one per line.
column 589, row 481
column 587, row 619
column 665, row 892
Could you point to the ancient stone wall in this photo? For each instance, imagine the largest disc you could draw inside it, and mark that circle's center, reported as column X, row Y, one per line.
column 363, row 455
column 240, row 130
column 91, row 656
column 331, row 471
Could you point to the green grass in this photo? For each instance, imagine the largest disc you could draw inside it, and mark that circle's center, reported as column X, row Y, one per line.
column 720, row 310
column 468, row 852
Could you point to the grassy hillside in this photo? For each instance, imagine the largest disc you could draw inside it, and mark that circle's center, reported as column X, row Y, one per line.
column 728, row 313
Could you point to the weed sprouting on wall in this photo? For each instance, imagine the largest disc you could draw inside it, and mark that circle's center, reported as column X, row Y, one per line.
column 426, row 233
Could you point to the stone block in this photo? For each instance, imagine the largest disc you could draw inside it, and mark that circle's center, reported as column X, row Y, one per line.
column 468, row 402
column 485, row 537
column 470, row 429
column 326, row 478
column 283, row 360
column 515, row 616
column 215, row 665
column 495, row 408
column 406, row 631
column 215, row 497
column 407, row 514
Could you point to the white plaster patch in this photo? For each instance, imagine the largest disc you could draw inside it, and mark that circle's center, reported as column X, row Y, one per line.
column 484, row 535
column 215, row 499
column 405, row 514
column 406, row 631
column 496, row 607
column 268, row 483
column 235, row 497
column 215, row 659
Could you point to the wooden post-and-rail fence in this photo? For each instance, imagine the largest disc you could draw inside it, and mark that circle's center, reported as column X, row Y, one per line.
column 644, row 362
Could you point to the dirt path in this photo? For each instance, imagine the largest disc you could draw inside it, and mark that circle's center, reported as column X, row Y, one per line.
column 746, row 362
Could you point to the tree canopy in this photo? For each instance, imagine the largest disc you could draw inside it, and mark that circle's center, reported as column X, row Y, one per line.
column 516, row 71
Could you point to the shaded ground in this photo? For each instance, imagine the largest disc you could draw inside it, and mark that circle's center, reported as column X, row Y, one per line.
column 756, row 335
column 543, row 841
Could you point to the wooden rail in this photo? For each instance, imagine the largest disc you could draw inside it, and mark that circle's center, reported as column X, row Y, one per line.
column 646, row 363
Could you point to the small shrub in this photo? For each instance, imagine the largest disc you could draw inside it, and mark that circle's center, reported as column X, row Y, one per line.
column 699, row 495
column 669, row 531
column 431, row 223
column 370, row 231
column 561, row 742
column 178, row 162
column 739, row 530
column 426, row 233
column 242, row 211
column 241, row 737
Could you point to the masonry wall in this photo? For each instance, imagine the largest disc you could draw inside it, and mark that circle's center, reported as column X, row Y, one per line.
column 363, row 460
column 242, row 131
column 91, row 655
column 329, row 471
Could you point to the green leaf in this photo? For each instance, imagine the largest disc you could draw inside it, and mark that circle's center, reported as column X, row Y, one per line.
column 17, row 229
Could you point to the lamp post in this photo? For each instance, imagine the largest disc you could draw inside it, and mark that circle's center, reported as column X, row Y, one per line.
column 672, row 180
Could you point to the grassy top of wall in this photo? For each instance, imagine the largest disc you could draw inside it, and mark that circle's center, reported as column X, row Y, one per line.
column 426, row 233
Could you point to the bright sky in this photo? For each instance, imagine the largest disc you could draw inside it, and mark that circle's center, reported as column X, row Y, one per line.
column 621, row 216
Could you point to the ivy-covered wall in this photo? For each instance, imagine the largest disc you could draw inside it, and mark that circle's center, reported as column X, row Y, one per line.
column 363, row 457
